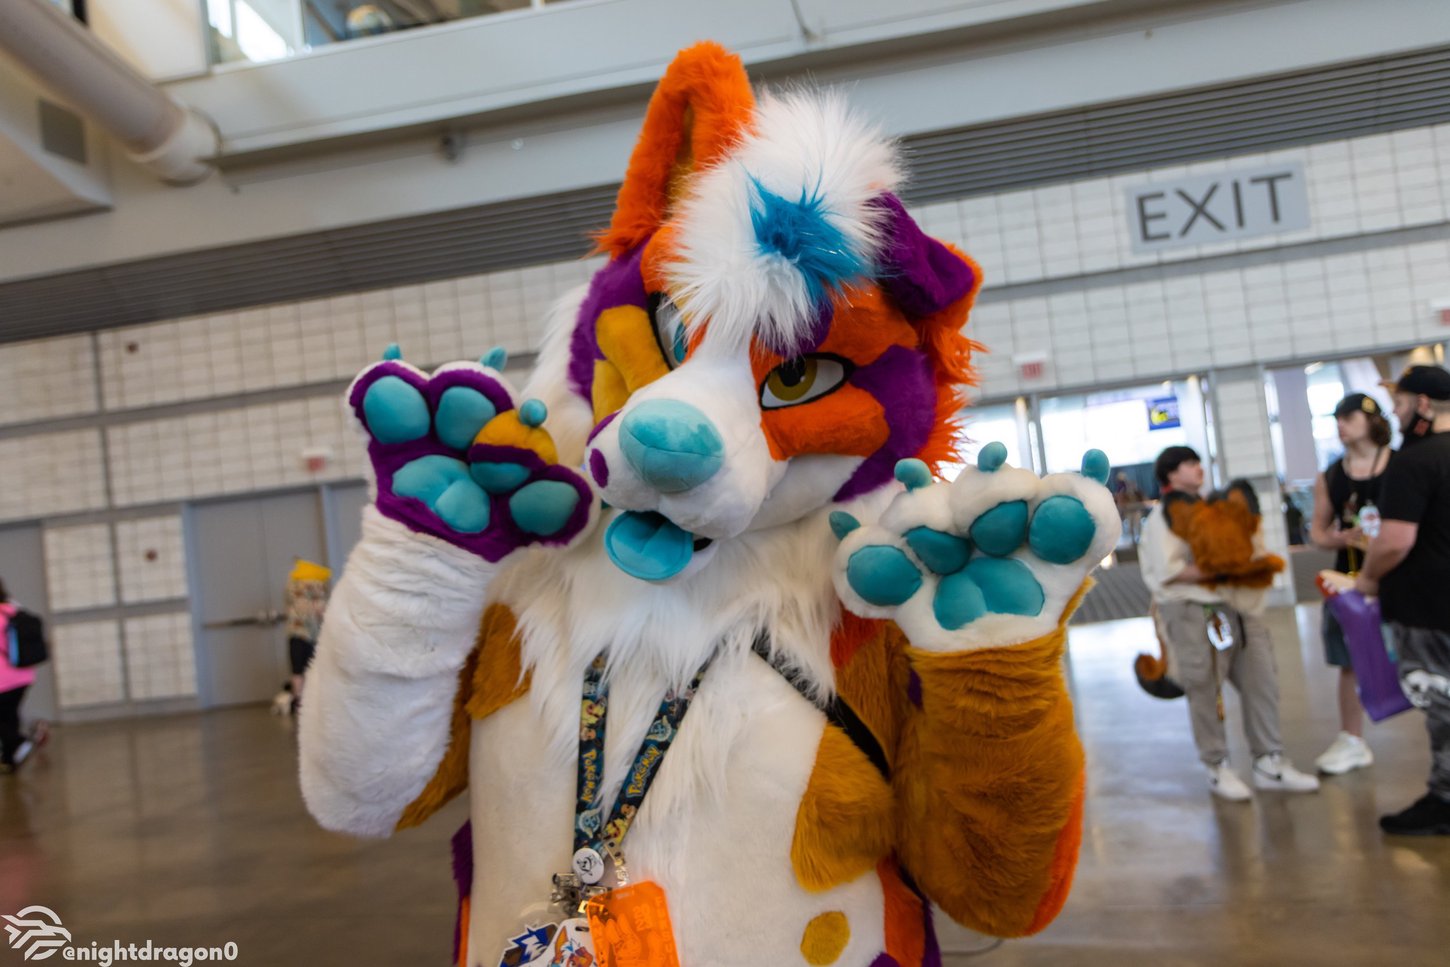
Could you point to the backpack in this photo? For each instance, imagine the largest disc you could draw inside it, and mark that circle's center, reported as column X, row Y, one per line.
column 26, row 634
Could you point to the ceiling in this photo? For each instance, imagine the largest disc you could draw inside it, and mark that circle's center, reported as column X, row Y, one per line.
column 1346, row 100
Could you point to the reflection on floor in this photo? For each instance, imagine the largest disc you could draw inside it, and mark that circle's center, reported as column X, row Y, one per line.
column 189, row 831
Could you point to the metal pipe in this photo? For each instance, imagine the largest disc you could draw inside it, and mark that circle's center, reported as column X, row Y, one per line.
column 157, row 131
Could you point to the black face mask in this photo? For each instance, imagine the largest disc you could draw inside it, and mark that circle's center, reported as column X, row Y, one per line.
column 1420, row 427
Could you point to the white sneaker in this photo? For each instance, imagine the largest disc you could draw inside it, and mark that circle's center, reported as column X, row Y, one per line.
column 1347, row 752
column 1273, row 771
column 22, row 752
column 1224, row 783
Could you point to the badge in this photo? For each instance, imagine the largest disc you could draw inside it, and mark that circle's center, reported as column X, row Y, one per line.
column 630, row 927
column 1220, row 631
column 565, row 944
column 589, row 865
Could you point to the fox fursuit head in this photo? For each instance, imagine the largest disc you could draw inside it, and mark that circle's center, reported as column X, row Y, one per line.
column 691, row 621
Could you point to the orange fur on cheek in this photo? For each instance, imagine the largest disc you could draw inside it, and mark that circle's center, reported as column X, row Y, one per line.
column 847, row 421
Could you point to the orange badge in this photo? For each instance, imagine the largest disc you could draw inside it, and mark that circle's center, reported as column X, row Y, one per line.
column 631, row 927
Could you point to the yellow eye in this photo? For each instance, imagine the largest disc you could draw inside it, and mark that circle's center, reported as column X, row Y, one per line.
column 801, row 380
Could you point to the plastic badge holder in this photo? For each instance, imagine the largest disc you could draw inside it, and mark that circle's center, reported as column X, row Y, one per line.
column 631, row 927
column 1375, row 672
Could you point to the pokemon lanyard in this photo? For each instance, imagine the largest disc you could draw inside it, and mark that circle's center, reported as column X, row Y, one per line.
column 595, row 838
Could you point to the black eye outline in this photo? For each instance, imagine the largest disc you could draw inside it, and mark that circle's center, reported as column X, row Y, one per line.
column 659, row 306
column 847, row 367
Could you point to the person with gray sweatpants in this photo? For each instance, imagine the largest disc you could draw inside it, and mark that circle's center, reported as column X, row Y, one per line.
column 1213, row 635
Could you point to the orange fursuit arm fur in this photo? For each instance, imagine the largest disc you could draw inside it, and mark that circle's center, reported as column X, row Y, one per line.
column 989, row 784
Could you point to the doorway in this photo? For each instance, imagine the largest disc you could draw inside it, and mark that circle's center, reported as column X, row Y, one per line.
column 243, row 551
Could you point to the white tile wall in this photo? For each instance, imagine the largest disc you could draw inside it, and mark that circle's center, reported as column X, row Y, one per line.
column 51, row 473
column 295, row 344
column 239, row 450
column 88, row 663
column 152, row 559
column 45, row 379
column 160, row 662
column 79, row 571
column 1263, row 314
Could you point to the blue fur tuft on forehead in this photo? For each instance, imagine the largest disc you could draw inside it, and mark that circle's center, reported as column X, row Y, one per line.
column 802, row 233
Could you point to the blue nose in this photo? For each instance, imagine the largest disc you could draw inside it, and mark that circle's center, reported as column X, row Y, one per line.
column 670, row 444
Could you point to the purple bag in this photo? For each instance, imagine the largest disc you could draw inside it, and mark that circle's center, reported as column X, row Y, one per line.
column 1374, row 670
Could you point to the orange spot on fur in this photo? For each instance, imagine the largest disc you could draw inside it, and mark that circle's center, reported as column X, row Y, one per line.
column 905, row 919
column 825, row 938
column 463, row 921
column 846, row 819
column 701, row 106
column 489, row 680
column 1064, row 862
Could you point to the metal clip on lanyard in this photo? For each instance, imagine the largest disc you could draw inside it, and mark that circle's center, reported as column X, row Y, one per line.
column 595, row 838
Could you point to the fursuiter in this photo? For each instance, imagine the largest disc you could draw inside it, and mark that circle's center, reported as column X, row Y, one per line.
column 717, row 633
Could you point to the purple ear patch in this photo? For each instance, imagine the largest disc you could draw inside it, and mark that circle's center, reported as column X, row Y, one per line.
column 921, row 275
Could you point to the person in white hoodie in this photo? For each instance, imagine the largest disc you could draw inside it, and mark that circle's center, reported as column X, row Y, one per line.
column 1214, row 633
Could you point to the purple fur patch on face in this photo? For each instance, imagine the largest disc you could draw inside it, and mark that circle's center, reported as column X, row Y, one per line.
column 619, row 283
column 462, row 844
column 900, row 380
column 913, row 688
column 921, row 275
column 599, row 468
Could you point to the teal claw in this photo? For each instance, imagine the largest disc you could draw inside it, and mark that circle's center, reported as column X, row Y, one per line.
column 992, row 457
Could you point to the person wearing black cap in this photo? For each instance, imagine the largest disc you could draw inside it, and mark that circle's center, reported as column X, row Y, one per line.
column 1407, row 566
column 1346, row 516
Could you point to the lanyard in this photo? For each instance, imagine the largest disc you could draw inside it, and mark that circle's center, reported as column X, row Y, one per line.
column 593, row 836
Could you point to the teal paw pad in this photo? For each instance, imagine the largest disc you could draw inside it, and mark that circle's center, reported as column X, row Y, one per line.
column 499, row 478
column 543, row 507
column 444, row 486
column 882, row 575
column 959, row 601
column 1062, row 530
column 1001, row 530
column 462, row 412
column 395, row 412
column 943, row 553
column 1007, row 584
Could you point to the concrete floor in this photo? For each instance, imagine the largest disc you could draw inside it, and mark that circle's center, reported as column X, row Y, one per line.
column 188, row 830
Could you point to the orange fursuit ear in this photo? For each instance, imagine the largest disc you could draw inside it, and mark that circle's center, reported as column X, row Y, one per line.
column 701, row 107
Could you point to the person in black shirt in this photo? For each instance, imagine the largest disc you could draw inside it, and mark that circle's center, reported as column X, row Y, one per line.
column 1407, row 566
column 1346, row 516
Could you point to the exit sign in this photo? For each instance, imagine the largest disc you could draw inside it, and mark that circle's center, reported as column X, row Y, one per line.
column 1217, row 208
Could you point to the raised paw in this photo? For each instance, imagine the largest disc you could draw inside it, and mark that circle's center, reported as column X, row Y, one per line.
column 992, row 558
column 455, row 458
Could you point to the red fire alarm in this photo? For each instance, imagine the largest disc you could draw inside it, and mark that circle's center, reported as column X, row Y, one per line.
column 1031, row 367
